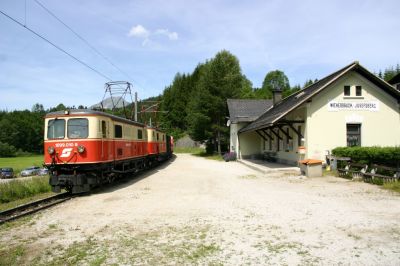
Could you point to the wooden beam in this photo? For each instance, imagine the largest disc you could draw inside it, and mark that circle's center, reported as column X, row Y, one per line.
column 298, row 132
column 276, row 134
column 295, row 130
column 261, row 135
column 285, row 133
column 266, row 133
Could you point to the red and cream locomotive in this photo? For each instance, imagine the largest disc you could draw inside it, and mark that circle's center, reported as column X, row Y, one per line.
column 86, row 148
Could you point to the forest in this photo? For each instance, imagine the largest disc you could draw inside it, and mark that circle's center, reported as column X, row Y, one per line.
column 194, row 104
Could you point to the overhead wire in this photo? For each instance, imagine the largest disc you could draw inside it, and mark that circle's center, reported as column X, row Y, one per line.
column 56, row 46
column 64, row 51
column 85, row 41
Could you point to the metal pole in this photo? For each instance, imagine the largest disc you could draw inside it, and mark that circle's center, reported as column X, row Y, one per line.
column 136, row 107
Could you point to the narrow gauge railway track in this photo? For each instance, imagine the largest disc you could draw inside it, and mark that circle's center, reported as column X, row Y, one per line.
column 32, row 207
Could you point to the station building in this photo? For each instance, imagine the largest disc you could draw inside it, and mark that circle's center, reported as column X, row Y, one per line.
column 350, row 107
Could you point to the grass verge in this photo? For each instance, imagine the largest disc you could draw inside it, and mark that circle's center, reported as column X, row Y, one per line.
column 200, row 152
column 191, row 150
column 395, row 186
column 18, row 202
column 21, row 189
column 215, row 157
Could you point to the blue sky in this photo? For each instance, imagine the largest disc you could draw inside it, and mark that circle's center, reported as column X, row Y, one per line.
column 153, row 40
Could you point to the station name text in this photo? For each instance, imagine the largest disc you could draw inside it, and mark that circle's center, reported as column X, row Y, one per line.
column 372, row 106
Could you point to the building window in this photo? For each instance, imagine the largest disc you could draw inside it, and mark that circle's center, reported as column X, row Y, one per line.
column 346, row 90
column 353, row 135
column 358, row 91
column 118, row 131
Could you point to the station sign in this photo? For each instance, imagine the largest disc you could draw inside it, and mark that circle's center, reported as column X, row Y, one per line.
column 372, row 106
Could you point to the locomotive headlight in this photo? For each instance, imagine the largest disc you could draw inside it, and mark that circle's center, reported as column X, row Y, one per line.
column 50, row 150
column 81, row 148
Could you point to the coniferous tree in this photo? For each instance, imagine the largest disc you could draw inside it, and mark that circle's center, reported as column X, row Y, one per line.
column 221, row 78
column 273, row 78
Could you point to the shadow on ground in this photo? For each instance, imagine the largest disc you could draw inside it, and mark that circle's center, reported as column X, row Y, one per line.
column 132, row 178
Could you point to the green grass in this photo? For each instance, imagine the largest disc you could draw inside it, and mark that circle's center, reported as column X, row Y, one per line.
column 127, row 246
column 248, row 177
column 191, row 150
column 11, row 256
column 19, row 163
column 15, row 203
column 330, row 173
column 20, row 189
column 215, row 157
column 200, row 152
column 395, row 186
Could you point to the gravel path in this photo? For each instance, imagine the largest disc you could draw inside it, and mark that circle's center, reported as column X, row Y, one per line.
column 198, row 211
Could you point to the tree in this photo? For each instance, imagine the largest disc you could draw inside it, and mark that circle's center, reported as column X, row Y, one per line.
column 37, row 108
column 308, row 83
column 273, row 79
column 59, row 107
column 294, row 89
column 175, row 100
column 7, row 150
column 220, row 78
column 389, row 72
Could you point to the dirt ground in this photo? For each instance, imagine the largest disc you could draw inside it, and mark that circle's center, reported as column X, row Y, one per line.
column 197, row 211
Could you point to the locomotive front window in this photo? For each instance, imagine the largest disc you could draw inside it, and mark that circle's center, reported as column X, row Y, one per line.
column 56, row 129
column 78, row 128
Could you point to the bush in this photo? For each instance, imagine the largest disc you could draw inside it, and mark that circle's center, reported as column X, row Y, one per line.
column 229, row 156
column 21, row 153
column 389, row 156
column 7, row 150
column 19, row 189
column 210, row 148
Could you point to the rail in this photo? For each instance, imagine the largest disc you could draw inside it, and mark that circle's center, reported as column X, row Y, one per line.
column 32, row 207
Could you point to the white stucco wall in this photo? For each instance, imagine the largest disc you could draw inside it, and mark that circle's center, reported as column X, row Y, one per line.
column 249, row 144
column 234, row 139
column 326, row 129
column 233, row 129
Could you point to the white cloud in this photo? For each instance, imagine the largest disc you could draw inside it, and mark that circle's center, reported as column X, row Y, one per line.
column 139, row 31
column 171, row 35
